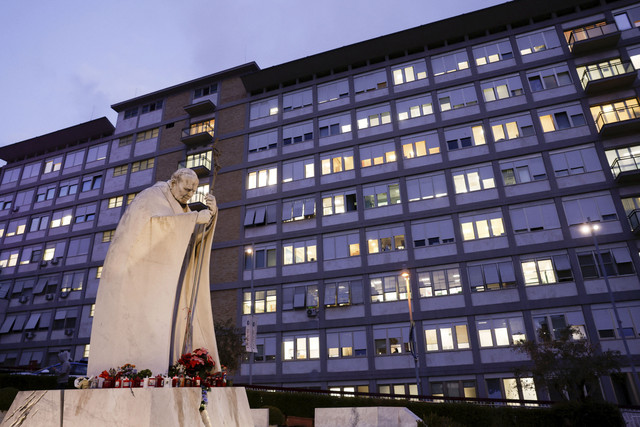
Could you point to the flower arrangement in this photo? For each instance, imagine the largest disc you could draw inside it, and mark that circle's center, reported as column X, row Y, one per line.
column 197, row 363
column 128, row 371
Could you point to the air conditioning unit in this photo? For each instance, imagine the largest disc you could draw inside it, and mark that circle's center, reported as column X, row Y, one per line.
column 312, row 312
column 24, row 299
column 29, row 335
column 49, row 297
column 55, row 261
column 43, row 263
column 16, row 209
column 68, row 331
column 64, row 294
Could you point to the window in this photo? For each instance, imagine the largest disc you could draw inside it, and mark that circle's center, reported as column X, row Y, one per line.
column 299, row 252
column 68, row 187
column 91, row 182
column 297, row 170
column 544, row 270
column 154, row 106
column 142, row 165
column 385, row 239
column 266, row 347
column 596, row 207
column 558, row 119
column 388, row 288
column 46, row 192
column 333, row 91
column 343, row 292
column 300, row 347
column 23, row 198
column 426, row 187
column 474, row 178
column 130, row 113
column 260, row 215
column 623, row 159
column 341, row 245
column 54, row 250
column 125, row 140
column 9, row 258
column 575, row 160
column 16, row 227
column 298, row 99
column 199, row 159
column 64, row 319
column 115, row 202
column 511, row 388
column 507, row 128
column 537, row 217
column 53, row 164
column 85, row 213
column 376, row 196
column 377, row 154
column 537, row 41
column 97, row 152
column 11, row 175
column 464, row 137
column 61, row 217
column 608, row 327
column 420, row 145
column 432, row 232
column 39, row 222
column 334, row 125
column 262, row 141
column 627, row 19
column 549, row 78
column 374, row 116
column 619, row 111
column 492, row 52
column 264, row 108
column 31, row 170
column 74, row 158
column 409, row 72
column 346, row 343
column 481, row 226
column 261, row 257
column 130, row 198
column 458, row 388
column 6, row 202
column 617, row 262
column 391, row 340
column 370, row 81
column 339, row 202
column 107, row 236
column 205, row 91
column 457, row 97
column 501, row 88
column 299, row 297
column 298, row 209
column 79, row 246
column 338, row 161
column 446, row 336
column 401, row 390
column 450, row 62
column 263, row 301
column 153, row 133
column 492, row 276
column 440, row 282
column 98, row 272
column 262, row 178
column 523, row 170
column 551, row 326
column 410, row 108
column 296, row 133
column 500, row 331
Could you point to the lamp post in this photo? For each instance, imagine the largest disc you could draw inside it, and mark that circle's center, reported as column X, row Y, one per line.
column 249, row 328
column 413, row 347
column 591, row 228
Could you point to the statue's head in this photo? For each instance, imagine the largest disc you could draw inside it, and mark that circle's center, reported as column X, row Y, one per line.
column 183, row 184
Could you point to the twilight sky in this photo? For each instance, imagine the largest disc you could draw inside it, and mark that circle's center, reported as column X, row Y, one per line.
column 65, row 62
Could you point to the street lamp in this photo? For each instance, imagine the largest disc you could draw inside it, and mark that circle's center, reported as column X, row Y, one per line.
column 591, row 228
column 250, row 332
column 413, row 346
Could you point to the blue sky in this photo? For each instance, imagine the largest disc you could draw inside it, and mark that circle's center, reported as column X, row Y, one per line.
column 65, row 62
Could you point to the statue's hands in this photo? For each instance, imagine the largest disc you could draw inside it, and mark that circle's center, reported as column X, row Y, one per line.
column 210, row 201
column 204, row 217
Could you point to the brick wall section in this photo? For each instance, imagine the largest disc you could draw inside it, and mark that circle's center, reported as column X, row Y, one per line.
column 228, row 226
column 231, row 151
column 231, row 89
column 167, row 164
column 228, row 187
column 224, row 265
column 223, row 305
column 174, row 106
column 170, row 138
column 231, row 119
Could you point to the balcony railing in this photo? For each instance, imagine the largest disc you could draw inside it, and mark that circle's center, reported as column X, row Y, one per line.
column 634, row 220
column 624, row 167
column 602, row 77
column 197, row 134
column 200, row 164
column 608, row 119
column 591, row 38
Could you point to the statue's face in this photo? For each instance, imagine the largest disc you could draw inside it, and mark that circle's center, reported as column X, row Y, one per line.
column 183, row 188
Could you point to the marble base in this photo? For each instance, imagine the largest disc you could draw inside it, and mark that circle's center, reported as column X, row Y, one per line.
column 378, row 416
column 227, row 407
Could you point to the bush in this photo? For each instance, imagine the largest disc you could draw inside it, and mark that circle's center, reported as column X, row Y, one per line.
column 589, row 413
column 276, row 417
column 31, row 382
column 7, row 395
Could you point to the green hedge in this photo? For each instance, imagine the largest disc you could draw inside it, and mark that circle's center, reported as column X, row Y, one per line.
column 451, row 414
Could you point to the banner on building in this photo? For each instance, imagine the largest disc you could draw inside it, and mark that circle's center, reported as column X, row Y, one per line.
column 250, row 333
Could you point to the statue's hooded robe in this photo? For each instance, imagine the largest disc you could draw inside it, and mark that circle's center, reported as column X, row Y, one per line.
column 145, row 289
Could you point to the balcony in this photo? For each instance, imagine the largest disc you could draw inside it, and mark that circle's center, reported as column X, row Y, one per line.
column 593, row 38
column 200, row 108
column 626, row 169
column 634, row 221
column 600, row 78
column 618, row 120
column 198, row 134
column 196, row 202
column 200, row 164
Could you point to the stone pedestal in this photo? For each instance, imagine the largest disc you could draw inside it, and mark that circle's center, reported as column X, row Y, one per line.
column 227, row 407
column 375, row 416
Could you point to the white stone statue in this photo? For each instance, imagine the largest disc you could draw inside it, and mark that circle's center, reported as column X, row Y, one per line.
column 156, row 267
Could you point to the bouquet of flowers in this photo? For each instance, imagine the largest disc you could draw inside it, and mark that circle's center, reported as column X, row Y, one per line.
column 197, row 363
column 128, row 371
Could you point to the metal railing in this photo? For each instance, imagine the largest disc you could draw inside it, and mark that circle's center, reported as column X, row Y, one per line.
column 582, row 34
column 598, row 72
column 617, row 115
column 197, row 129
column 625, row 164
column 634, row 219
column 196, row 161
